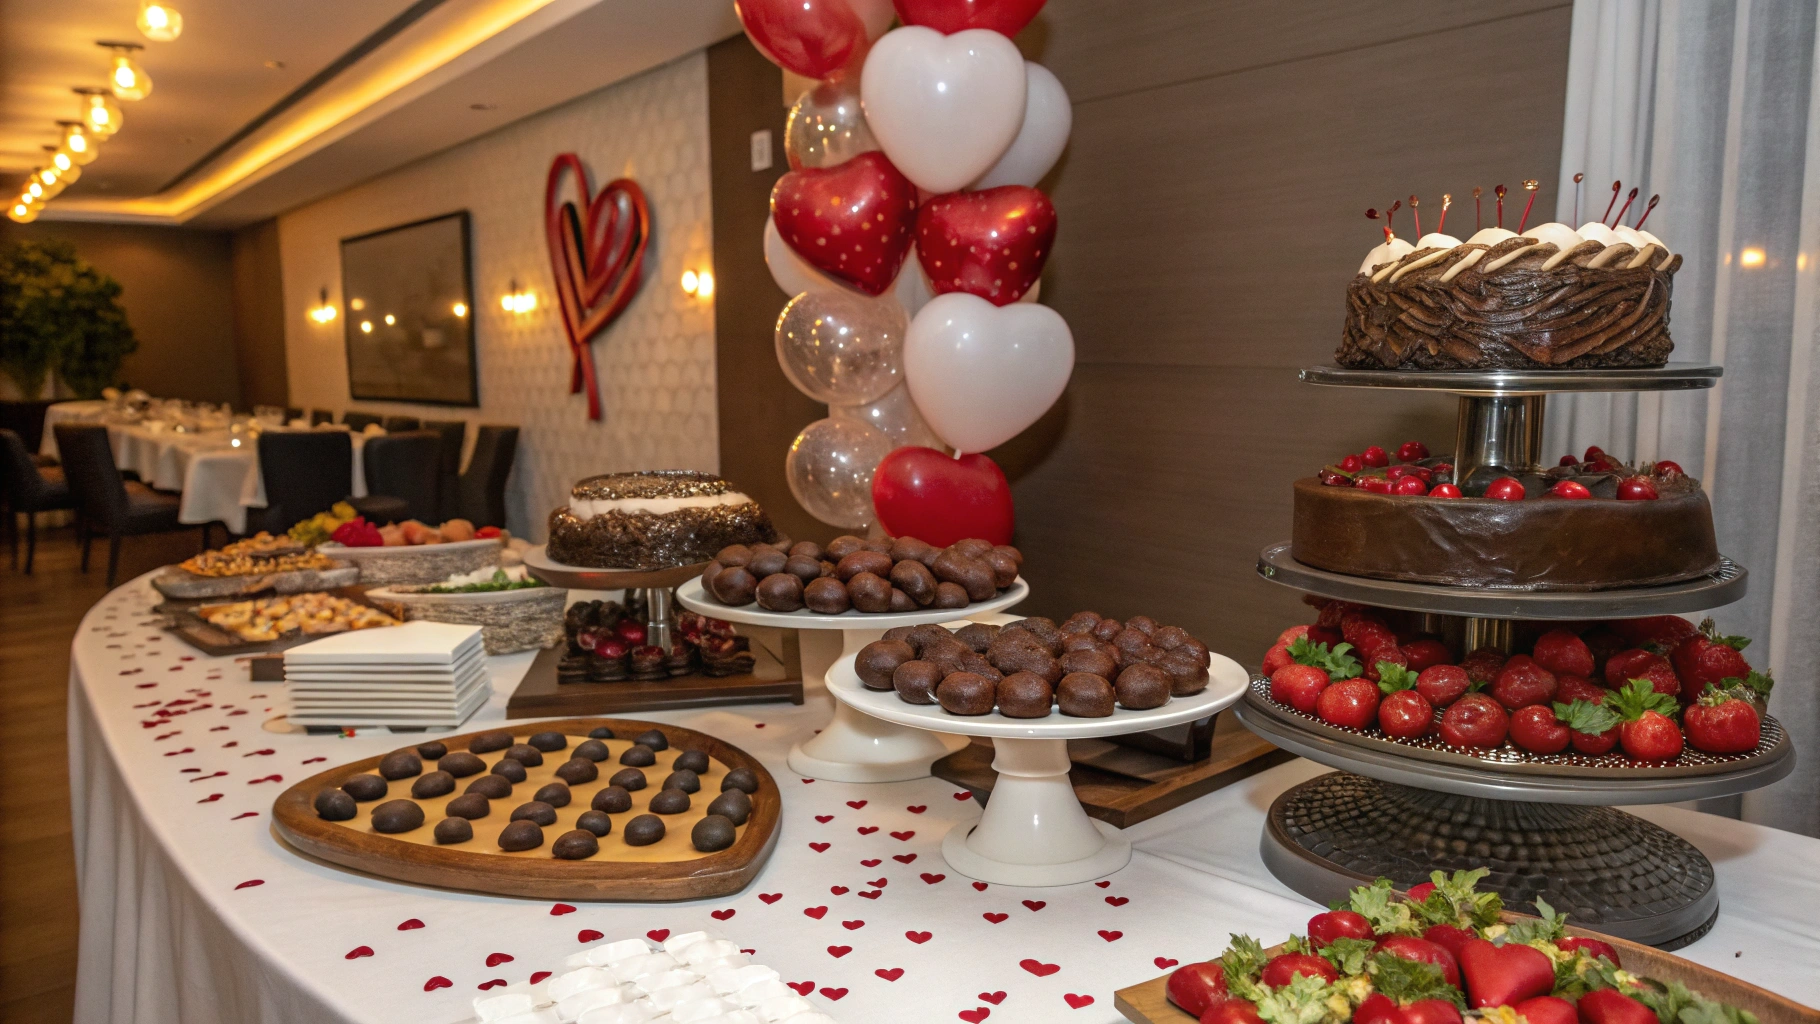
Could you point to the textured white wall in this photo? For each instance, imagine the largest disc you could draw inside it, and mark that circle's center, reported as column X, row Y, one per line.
column 655, row 363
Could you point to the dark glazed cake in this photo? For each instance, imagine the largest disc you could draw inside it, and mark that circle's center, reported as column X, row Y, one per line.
column 653, row 520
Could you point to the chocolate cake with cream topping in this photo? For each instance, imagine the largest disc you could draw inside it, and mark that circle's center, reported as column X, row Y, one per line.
column 653, row 520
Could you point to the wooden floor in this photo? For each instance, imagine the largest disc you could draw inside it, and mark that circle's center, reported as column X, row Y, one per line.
column 38, row 616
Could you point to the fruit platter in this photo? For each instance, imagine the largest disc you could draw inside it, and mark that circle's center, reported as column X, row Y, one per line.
column 1444, row 953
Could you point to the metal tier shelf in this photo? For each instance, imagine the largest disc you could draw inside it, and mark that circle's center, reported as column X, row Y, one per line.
column 1500, row 383
column 1723, row 586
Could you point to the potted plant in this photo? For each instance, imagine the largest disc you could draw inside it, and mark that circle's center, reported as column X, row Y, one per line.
column 58, row 313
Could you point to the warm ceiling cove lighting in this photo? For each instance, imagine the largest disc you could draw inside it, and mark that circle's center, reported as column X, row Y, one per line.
column 127, row 79
column 323, row 311
column 100, row 114
column 81, row 147
column 160, row 23
column 698, row 283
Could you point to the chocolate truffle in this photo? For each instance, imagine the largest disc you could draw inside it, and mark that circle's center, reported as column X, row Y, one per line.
column 708, row 572
column 487, row 742
column 900, row 603
column 453, row 830
column 433, row 750
column 713, row 833
column 869, row 593
column 876, row 662
column 768, row 562
column 1081, row 695
column 1004, row 569
column 400, row 764
column 510, row 770
column 577, row 770
column 613, row 799
column 803, row 568
column 468, row 805
column 734, row 554
column 780, row 592
column 669, row 801
column 971, row 574
column 978, row 636
column 1092, row 662
column 914, row 579
column 364, row 787
column 1186, row 675
column 596, row 822
column 1025, row 695
column 555, row 794
column 654, row 739
column 683, row 779
column 629, row 779
column 1010, row 658
column 577, row 844
column 1107, row 629
column 734, row 805
column 461, row 764
column 335, row 805
column 525, row 754
column 593, row 750
column 826, row 596
column 1044, row 629
column 694, row 760
column 548, row 741
column 806, row 549
column 862, row 561
column 644, row 830
column 397, row 816
column 914, row 550
column 638, row 756
column 536, row 811
column 744, row 779
column 1142, row 623
column 1169, row 637
column 493, row 787
column 521, row 834
column 972, row 547
column 1080, row 623
column 951, row 595
column 915, row 681
column 433, row 784
column 1012, row 553
column 842, row 546
column 600, row 732
column 1140, row 687
column 966, row 693
column 735, row 586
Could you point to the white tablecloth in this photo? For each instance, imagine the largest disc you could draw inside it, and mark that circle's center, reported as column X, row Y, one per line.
column 192, row 911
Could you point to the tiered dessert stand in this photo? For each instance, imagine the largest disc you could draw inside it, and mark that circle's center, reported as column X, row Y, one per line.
column 1545, row 826
column 654, row 584
column 854, row 747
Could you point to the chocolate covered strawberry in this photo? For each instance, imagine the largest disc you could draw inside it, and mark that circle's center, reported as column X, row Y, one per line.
column 1504, row 975
column 1475, row 720
column 1338, row 924
column 1721, row 722
column 1562, row 652
column 1523, row 682
column 1441, row 685
column 1707, row 658
column 1645, row 730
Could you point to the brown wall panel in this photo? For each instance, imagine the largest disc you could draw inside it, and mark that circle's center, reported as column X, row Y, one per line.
column 259, row 315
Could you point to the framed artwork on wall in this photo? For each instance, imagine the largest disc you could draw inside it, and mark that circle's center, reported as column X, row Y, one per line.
column 409, row 328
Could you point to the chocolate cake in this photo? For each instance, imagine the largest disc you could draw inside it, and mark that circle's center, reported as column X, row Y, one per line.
column 653, row 520
column 1551, row 298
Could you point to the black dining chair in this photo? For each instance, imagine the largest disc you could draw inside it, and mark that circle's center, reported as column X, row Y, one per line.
column 399, row 424
column 27, row 489
column 448, row 465
column 106, row 502
column 404, row 466
column 359, row 421
column 483, row 483
column 292, row 412
column 321, row 416
column 308, row 471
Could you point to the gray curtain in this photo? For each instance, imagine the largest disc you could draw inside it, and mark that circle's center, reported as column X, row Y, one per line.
column 1710, row 104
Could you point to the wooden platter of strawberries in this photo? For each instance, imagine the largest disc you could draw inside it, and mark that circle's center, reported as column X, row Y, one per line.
column 1442, row 954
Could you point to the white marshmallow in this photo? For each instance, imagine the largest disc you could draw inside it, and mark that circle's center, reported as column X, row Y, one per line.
column 732, row 979
column 544, row 1016
column 634, row 967
column 500, row 1004
column 706, row 950
column 699, row 1009
column 784, row 1008
column 675, row 944
column 730, row 960
column 619, row 1013
column 581, row 1002
column 614, row 952
column 566, row 985
column 657, row 981
column 762, row 991
column 734, row 1017
column 812, row 1017
column 668, row 999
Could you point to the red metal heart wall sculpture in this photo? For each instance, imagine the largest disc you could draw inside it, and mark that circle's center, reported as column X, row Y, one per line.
column 597, row 258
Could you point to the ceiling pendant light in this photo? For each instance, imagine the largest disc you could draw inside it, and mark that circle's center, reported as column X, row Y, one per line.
column 66, row 168
column 100, row 114
column 160, row 23
column 127, row 79
column 21, row 213
column 79, row 144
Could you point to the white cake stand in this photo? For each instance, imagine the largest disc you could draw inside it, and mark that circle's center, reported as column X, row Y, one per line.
column 854, row 747
column 1034, row 831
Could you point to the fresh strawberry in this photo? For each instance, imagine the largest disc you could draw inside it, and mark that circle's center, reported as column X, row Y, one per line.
column 1645, row 730
column 1338, row 924
column 1665, row 631
column 1475, row 720
column 1349, row 703
column 1447, row 936
column 1387, row 655
column 1376, row 457
column 1405, row 715
column 1624, row 666
column 1483, row 664
column 1195, row 987
column 1603, row 642
column 1590, row 946
column 1720, row 722
column 1522, row 682
column 1323, row 635
column 1283, row 968
column 1231, row 1011
column 1708, row 657
column 1504, row 975
column 1562, row 652
column 1427, row 1011
column 1412, row 451
column 1288, row 636
column 1573, row 688
column 1334, row 612
column 1425, row 654
column 1547, row 1010
column 1365, row 630
column 1298, row 686
column 1275, row 658
column 1536, row 729
column 1609, row 1006
column 1376, row 1008
column 1505, row 488
column 1441, row 685
column 1422, row 951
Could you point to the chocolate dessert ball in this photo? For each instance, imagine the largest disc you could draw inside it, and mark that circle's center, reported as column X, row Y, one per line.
column 1044, row 629
column 972, row 547
column 596, row 822
column 638, row 756
column 950, row 595
column 876, row 662
column 803, row 568
column 1169, row 637
column 509, row 770
column 842, row 546
column 460, row 764
column 806, row 549
column 397, row 816
column 400, row 764
column 915, row 681
column 915, row 580
column 555, row 794
column 869, row 593
column 1025, row 695
column 335, row 805
column 882, row 545
column 537, row 811
column 493, row 787
column 613, row 799
column 644, row 830
column 468, row 805
column 1196, row 650
column 521, row 834
column 683, row 779
column 433, row 750
column 862, row 561
column 1143, row 624
column 780, row 592
column 487, row 742
column 1014, row 657
column 1080, row 623
column 712, row 834
column 826, row 596
column 669, row 801
column 433, row 784
column 1142, row 686
column 1010, row 552
column 978, row 636
column 629, row 779
column 964, row 693
column 653, row 738
column 1108, row 629
column 1091, row 661
column 453, row 830
column 1004, row 570
column 708, row 572
column 364, row 787
column 525, row 754
column 1186, row 675
column 548, row 741
column 971, row 574
column 694, row 760
column 1080, row 695
column 600, row 732
column 735, row 586
column 578, row 770
column 734, row 554
column 593, row 750
column 734, row 805
column 900, row 603
column 913, row 550
column 768, row 562
column 744, row 779
column 945, row 653
column 578, row 844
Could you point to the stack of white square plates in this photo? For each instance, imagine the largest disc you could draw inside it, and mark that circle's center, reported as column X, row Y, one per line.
column 420, row 674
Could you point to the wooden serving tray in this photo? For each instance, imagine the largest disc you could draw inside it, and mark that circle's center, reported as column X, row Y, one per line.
column 539, row 694
column 668, row 870
column 186, row 621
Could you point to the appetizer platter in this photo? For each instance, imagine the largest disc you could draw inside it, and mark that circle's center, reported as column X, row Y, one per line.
column 516, row 612
column 581, row 808
column 268, row 624
column 255, row 565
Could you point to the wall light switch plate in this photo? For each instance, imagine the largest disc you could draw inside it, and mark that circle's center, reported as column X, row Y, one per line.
column 761, row 150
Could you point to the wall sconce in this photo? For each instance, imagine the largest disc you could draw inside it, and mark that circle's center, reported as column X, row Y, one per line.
column 698, row 283
column 518, row 301
column 323, row 311
column 460, row 309
column 1752, row 257
column 160, row 23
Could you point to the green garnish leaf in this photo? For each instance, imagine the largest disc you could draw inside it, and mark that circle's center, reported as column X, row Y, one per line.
column 1304, row 1000
column 1348, row 956
column 1337, row 663
column 1409, row 980
column 1710, row 630
column 1392, row 678
column 1638, row 696
column 1756, row 684
column 1583, row 716
column 1547, row 926
column 1243, row 959
column 1379, row 904
column 1457, row 901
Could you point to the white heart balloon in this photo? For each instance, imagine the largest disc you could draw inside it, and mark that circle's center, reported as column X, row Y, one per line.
column 1048, row 118
column 944, row 108
column 796, row 275
column 982, row 373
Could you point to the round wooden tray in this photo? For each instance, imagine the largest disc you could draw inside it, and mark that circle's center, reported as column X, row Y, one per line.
column 543, row 877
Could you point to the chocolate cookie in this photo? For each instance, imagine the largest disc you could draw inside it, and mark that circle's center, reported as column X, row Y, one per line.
column 520, row 835
column 460, row 764
column 510, row 770
column 548, row 741
column 694, row 760
column 365, row 787
column 950, row 595
column 397, row 816
column 734, row 805
column 433, row 750
column 593, row 750
column 780, row 592
column 434, row 784
column 578, row 770
column 555, row 794
column 669, row 801
column 335, row 805
column 453, row 830
column 400, row 764
column 683, row 779
column 469, row 805
column 613, row 799
column 537, row 811
column 744, row 779
column 493, row 787
column 487, row 742
column 638, row 756
column 578, row 844
column 644, row 830
column 826, row 596
column 629, row 779
column 596, row 822
column 712, row 834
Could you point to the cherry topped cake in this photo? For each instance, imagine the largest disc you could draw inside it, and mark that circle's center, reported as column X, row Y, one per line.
column 658, row 519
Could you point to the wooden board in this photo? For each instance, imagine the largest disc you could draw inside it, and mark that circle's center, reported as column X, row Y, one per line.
column 660, row 873
column 1121, row 785
column 539, row 695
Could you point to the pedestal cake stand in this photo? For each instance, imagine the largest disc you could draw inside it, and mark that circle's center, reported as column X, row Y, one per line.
column 654, row 584
column 1034, row 831
column 1545, row 826
column 854, row 747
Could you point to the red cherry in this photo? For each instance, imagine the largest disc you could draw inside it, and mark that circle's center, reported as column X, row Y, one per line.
column 1593, row 454
column 1411, row 485
column 1376, row 458
column 1374, row 484
column 1412, row 451
column 631, row 632
column 1352, row 464
column 1399, row 472
column 1568, row 460
column 1666, row 469
column 1444, row 491
column 1570, row 489
column 612, row 648
column 1505, row 488
column 1330, row 478
column 1637, row 488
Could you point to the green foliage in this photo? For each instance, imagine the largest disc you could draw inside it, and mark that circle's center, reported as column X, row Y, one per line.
column 1392, row 678
column 1587, row 718
column 1675, row 1003
column 1243, row 959
column 1304, row 1000
column 1638, row 696
column 1407, row 981
column 1379, row 904
column 1546, row 927
column 1710, row 630
column 1348, row 956
column 1756, row 686
column 59, row 313
column 1457, row 901
column 1336, row 663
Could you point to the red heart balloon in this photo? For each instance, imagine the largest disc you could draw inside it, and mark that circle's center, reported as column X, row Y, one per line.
column 922, row 493
column 949, row 16
column 992, row 244
column 851, row 221
column 813, row 38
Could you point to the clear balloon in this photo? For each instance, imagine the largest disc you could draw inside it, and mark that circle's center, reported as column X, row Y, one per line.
column 830, row 469
column 827, row 127
column 895, row 415
column 839, row 348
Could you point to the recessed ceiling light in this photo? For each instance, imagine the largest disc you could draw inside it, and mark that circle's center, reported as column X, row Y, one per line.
column 483, row 106
column 275, row 65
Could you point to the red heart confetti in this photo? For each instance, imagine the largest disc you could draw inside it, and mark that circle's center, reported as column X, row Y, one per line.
column 890, row 975
column 816, row 912
column 1077, row 1001
column 864, row 830
column 870, row 894
column 495, row 959
column 963, row 796
column 770, row 897
column 658, row 934
column 981, row 886
column 761, row 725
column 560, row 909
column 824, row 818
column 917, row 808
column 878, row 883
column 1163, row 963
column 409, row 925
column 871, row 862
column 211, row 798
column 1117, row 901
column 903, row 858
column 1113, row 936
column 853, row 925
column 1104, row 884
column 838, row 890
column 249, row 883
column 312, row 760
column 820, row 847
column 494, row 983
column 244, row 814
column 856, row 804
column 539, row 976
column 802, row 988
column 359, row 951
column 994, row 998
column 806, row 781
column 588, row 935
column 833, row 993
column 996, row 918
column 903, row 837
column 722, row 915
column 1039, row 968
column 975, row 1015
column 437, row 982
column 919, row 937
column 268, row 778
column 259, row 753
column 839, row 951
column 1035, row 905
